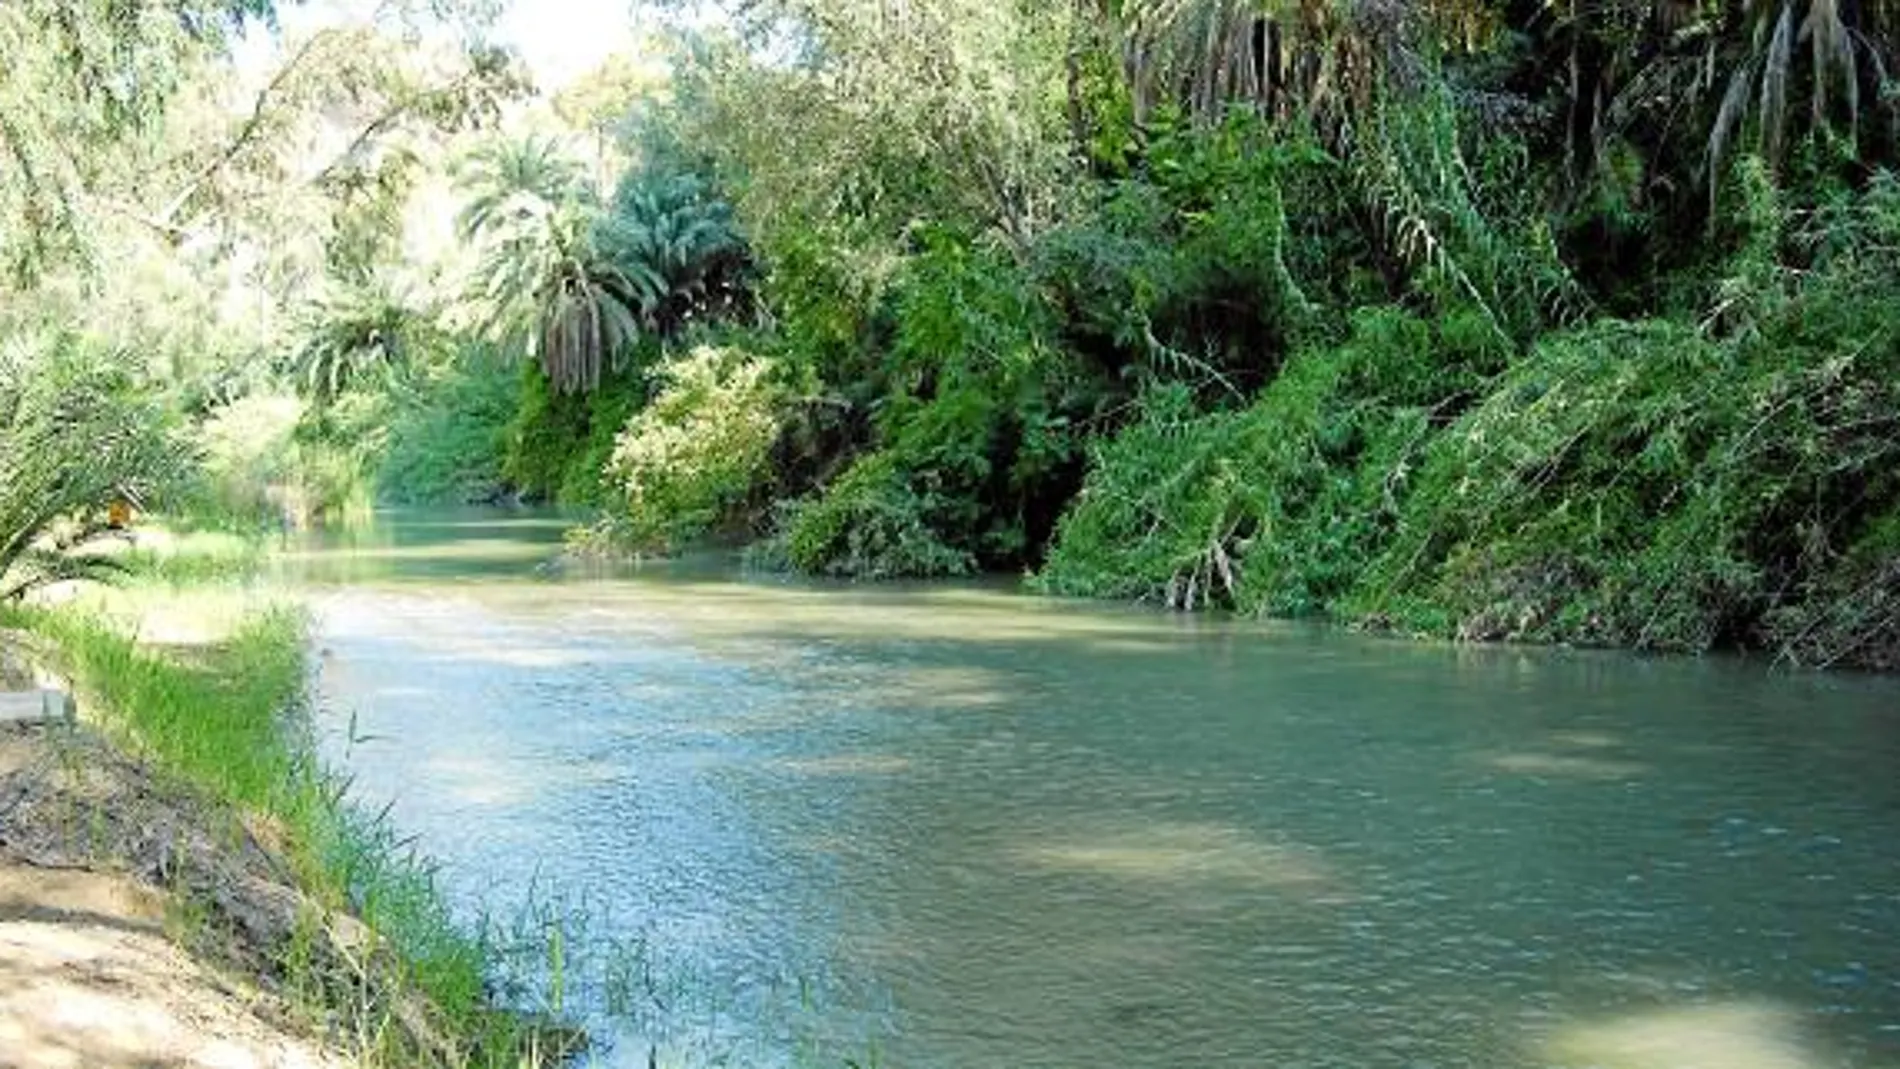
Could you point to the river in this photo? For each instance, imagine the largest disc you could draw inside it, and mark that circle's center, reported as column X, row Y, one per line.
column 959, row 826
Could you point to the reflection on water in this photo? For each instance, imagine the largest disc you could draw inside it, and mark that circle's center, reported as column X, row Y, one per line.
column 1003, row 831
column 1718, row 1035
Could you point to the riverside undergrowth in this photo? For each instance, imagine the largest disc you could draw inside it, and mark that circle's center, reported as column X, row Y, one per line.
column 1667, row 484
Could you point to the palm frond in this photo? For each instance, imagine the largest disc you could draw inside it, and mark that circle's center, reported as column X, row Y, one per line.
column 75, row 435
column 1774, row 88
column 574, row 281
column 349, row 332
column 1834, row 56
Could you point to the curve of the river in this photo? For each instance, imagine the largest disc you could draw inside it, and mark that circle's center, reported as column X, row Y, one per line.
column 957, row 826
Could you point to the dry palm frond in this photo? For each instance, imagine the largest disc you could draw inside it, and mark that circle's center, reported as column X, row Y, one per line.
column 1728, row 119
column 1834, row 57
column 1285, row 58
column 1767, row 74
column 1774, row 87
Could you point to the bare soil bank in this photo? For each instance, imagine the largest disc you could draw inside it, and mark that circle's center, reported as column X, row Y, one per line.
column 142, row 927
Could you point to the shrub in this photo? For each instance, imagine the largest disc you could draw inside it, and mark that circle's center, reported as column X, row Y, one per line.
column 697, row 453
column 540, row 440
column 1276, row 507
column 1848, row 613
column 77, row 433
column 869, row 524
column 1643, row 485
column 330, row 469
column 446, row 434
column 247, row 446
column 585, row 479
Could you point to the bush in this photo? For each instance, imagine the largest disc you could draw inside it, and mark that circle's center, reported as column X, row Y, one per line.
column 869, row 524
column 1279, row 506
column 684, row 464
column 1539, row 514
column 330, row 471
column 77, row 433
column 247, row 446
column 271, row 458
column 1848, row 613
column 1655, row 484
column 1647, row 485
column 585, row 480
column 540, row 441
column 557, row 445
column 1197, row 271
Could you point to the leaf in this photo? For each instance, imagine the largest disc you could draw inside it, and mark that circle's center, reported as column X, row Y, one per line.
column 1774, row 88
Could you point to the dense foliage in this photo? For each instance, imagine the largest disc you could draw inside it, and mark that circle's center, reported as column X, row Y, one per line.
column 77, row 436
column 699, row 450
column 1464, row 319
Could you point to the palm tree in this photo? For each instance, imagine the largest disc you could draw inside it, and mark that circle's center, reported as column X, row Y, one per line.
column 1306, row 59
column 546, row 283
column 75, row 437
column 350, row 331
column 672, row 224
column 1845, row 49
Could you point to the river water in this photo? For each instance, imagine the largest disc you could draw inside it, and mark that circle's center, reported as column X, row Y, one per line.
column 958, row 826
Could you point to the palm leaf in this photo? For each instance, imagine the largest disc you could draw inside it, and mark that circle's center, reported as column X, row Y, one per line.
column 1727, row 119
column 1774, row 87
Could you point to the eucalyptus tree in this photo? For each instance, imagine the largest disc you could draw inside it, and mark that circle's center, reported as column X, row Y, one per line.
column 863, row 117
column 79, row 80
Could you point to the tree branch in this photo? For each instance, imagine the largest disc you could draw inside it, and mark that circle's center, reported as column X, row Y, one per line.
column 166, row 218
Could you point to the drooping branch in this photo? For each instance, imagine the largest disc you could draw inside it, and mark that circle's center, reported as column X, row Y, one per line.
column 253, row 126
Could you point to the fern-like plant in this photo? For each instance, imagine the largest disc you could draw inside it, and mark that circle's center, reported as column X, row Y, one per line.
column 353, row 331
column 75, row 436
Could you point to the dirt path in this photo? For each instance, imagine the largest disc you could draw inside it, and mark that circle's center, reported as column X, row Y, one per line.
column 88, row 980
column 90, row 974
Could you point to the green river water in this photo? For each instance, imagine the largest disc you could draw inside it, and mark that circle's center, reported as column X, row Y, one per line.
column 959, row 826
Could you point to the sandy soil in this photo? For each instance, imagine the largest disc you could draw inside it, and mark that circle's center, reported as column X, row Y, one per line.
column 88, row 980
column 90, row 974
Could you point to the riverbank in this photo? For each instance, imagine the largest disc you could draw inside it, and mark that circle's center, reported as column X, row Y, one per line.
column 130, row 935
column 179, row 862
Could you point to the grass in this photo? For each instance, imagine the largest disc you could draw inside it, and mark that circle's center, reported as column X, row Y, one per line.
column 225, row 719
column 194, row 558
column 205, row 680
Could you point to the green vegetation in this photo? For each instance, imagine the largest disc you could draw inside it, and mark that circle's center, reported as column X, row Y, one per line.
column 76, row 435
column 1347, row 314
column 696, row 453
column 447, row 430
column 1355, row 313
column 224, row 722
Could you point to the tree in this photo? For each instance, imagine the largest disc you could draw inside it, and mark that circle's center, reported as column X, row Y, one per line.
column 76, row 435
column 546, row 283
column 672, row 222
column 873, row 117
column 79, row 78
column 567, row 278
column 352, row 331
